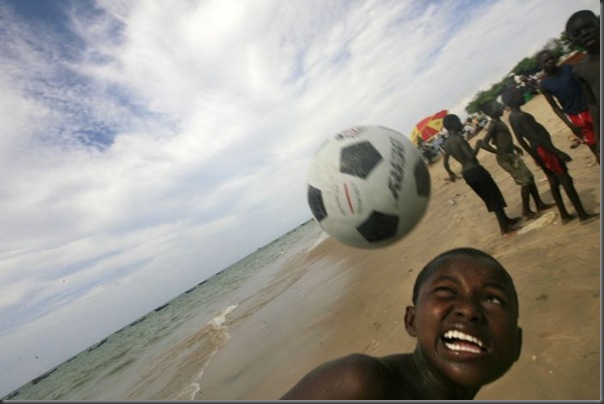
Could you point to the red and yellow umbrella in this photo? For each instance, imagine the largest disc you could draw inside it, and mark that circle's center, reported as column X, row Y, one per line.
column 428, row 127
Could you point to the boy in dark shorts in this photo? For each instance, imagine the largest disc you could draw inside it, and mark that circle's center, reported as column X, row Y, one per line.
column 465, row 318
column 475, row 175
column 583, row 30
column 536, row 140
column 508, row 157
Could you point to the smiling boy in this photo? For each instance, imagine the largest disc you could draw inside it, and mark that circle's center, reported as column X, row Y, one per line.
column 465, row 318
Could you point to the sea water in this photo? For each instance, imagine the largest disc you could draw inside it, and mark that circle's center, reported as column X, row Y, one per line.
column 163, row 355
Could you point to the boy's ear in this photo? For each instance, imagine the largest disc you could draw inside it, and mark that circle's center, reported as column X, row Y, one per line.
column 410, row 321
column 518, row 344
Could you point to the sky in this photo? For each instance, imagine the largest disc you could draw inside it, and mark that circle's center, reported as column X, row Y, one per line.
column 147, row 145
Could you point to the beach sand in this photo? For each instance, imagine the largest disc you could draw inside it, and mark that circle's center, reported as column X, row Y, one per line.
column 346, row 300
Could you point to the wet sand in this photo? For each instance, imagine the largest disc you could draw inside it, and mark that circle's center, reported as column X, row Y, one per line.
column 346, row 300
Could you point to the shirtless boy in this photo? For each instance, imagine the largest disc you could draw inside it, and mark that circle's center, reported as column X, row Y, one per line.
column 536, row 140
column 499, row 141
column 465, row 318
column 583, row 29
column 475, row 175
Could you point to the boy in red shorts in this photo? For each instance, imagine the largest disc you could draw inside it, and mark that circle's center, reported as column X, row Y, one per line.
column 566, row 97
column 583, row 29
column 536, row 140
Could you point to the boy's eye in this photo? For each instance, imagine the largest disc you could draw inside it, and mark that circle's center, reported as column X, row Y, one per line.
column 444, row 290
column 494, row 299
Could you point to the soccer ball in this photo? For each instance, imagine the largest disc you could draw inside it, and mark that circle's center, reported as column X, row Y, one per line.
column 368, row 186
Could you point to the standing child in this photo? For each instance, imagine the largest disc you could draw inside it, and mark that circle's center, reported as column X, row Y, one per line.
column 465, row 318
column 475, row 175
column 583, row 30
column 508, row 157
column 565, row 95
column 536, row 140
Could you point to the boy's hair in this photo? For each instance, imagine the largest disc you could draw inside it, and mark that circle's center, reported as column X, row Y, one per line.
column 587, row 14
column 449, row 119
column 509, row 94
column 487, row 107
column 437, row 261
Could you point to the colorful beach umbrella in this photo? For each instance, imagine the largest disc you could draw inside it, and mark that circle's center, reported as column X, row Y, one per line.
column 428, row 127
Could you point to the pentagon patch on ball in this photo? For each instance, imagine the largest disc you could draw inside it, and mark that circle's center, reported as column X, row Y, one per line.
column 368, row 186
column 359, row 159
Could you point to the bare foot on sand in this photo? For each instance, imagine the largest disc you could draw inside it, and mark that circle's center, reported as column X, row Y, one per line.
column 531, row 215
column 545, row 206
column 567, row 219
column 589, row 218
column 511, row 227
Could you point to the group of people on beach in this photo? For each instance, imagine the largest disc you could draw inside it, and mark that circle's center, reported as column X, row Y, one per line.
column 464, row 310
column 573, row 92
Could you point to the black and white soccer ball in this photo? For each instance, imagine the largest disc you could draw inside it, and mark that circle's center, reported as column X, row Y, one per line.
column 368, row 186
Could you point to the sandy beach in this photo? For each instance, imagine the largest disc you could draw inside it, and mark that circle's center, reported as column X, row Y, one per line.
column 343, row 300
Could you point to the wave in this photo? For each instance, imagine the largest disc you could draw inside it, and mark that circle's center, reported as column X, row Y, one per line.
column 219, row 335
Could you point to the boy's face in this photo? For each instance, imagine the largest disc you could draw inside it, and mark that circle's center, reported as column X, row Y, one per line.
column 548, row 62
column 466, row 321
column 584, row 32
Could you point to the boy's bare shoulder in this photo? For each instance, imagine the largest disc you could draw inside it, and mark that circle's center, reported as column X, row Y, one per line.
column 375, row 378
column 352, row 377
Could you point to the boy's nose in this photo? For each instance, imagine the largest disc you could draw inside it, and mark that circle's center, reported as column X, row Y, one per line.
column 585, row 33
column 469, row 309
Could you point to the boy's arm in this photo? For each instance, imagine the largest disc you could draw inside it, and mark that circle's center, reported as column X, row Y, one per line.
column 543, row 139
column 547, row 144
column 485, row 142
column 558, row 111
column 592, row 103
column 452, row 175
column 520, row 134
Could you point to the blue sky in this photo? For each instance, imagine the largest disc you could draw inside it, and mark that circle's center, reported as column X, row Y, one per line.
column 147, row 145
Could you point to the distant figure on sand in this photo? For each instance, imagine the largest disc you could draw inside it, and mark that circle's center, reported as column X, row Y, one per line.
column 465, row 318
column 508, row 156
column 475, row 175
column 583, row 30
column 536, row 140
column 565, row 95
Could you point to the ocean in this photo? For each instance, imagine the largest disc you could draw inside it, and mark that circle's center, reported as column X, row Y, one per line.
column 164, row 354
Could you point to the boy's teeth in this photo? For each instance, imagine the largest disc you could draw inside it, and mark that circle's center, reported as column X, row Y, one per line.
column 454, row 334
column 456, row 347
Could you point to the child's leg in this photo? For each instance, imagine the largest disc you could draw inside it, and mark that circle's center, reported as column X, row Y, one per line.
column 506, row 224
column 554, row 184
column 567, row 182
column 538, row 201
column 595, row 150
column 525, row 193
